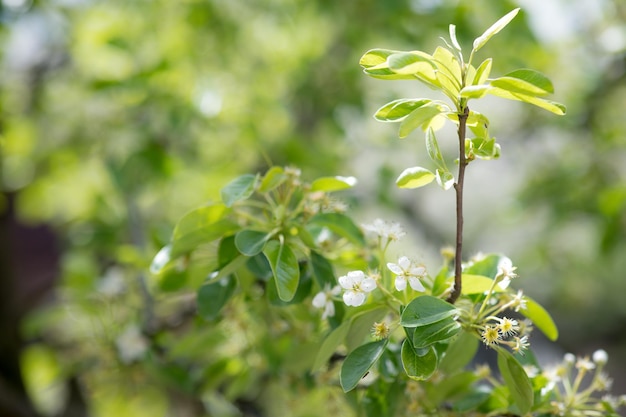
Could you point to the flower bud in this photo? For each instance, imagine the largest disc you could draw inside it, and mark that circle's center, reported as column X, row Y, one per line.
column 600, row 357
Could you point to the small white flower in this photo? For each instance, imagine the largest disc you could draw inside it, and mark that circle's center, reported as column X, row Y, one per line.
column 506, row 326
column 407, row 270
column 521, row 344
column 390, row 231
column 324, row 299
column 131, row 344
column 506, row 272
column 356, row 285
column 112, row 283
column 519, row 302
column 584, row 364
column 569, row 359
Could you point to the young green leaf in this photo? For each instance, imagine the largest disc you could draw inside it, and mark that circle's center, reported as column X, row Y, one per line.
column 199, row 226
column 420, row 117
column 418, row 367
column 478, row 284
column 397, row 110
column 415, row 177
column 374, row 63
column 414, row 62
column 426, row 310
column 285, row 268
column 455, row 42
column 425, row 336
column 515, row 85
column 532, row 77
column 213, row 296
column 482, row 72
column 161, row 259
column 238, row 189
column 540, row 318
column 329, row 184
column 516, row 380
column 551, row 106
column 273, row 178
column 432, row 147
column 358, row 362
column 494, row 29
column 444, row 178
column 251, row 242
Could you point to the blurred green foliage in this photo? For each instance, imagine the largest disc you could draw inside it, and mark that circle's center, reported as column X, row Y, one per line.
column 118, row 117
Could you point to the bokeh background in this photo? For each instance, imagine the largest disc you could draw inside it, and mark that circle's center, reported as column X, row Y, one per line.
column 119, row 116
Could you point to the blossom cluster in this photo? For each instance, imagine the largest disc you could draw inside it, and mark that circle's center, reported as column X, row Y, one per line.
column 506, row 331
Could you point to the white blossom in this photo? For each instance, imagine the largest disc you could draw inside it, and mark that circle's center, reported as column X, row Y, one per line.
column 506, row 272
column 324, row 300
column 356, row 285
column 407, row 270
column 390, row 231
column 131, row 345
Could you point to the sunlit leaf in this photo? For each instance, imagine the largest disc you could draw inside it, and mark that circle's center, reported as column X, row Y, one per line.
column 551, row 106
column 516, row 380
column 415, row 177
column 494, row 29
column 515, row 85
column 482, row 72
column 425, row 310
column 358, row 362
column 273, row 178
column 374, row 63
column 418, row 367
column 397, row 110
column 415, row 62
column 455, row 42
column 432, row 147
column 475, row 91
column 533, row 77
column 330, row 184
column 444, row 178
column 419, row 117
column 161, row 259
column 285, row 268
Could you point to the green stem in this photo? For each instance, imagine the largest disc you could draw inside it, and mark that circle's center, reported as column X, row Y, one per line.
column 458, row 256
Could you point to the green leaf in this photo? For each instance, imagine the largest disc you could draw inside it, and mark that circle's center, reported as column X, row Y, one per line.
column 515, row 85
column 426, row 310
column 449, row 67
column 551, row 106
column 494, row 29
column 302, row 291
column 251, row 242
column 414, row 62
column 516, row 380
column 330, row 344
column 322, row 271
column 362, row 325
column 374, row 63
column 358, row 362
column 478, row 284
column 397, row 110
column 432, row 147
column 487, row 266
column 540, row 318
column 238, row 189
column 418, row 367
column 415, row 177
column 336, row 183
column 341, row 225
column 227, row 251
column 199, row 226
column 425, row 336
column 475, row 91
column 213, row 296
column 285, row 268
column 445, row 179
column 482, row 72
column 420, row 117
column 273, row 178
column 459, row 353
column 534, row 78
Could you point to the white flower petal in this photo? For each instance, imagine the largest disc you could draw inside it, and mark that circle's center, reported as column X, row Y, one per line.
column 346, row 282
column 400, row 283
column 368, row 284
column 404, row 263
column 356, row 276
column 319, row 301
column 353, row 299
column 418, row 271
column 395, row 268
column 416, row 284
column 329, row 310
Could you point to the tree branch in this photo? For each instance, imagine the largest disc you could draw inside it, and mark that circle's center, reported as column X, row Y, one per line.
column 458, row 186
